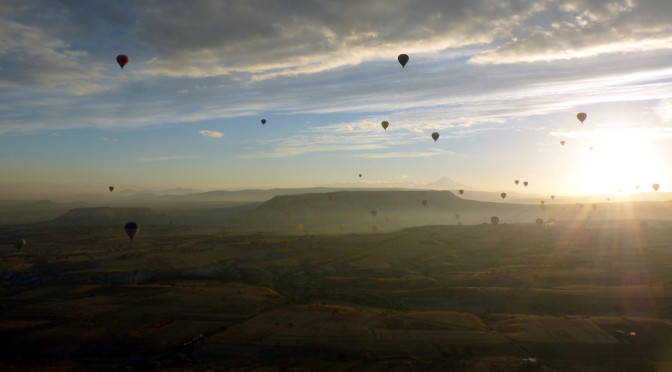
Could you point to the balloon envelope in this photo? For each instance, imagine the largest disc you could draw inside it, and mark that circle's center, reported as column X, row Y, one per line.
column 503, row 195
column 539, row 221
column 552, row 196
column 424, row 203
column 581, row 116
column 131, row 229
column 494, row 220
column 516, row 182
column 385, row 124
column 460, row 191
column 263, row 121
column 122, row 60
column 19, row 243
column 562, row 143
column 111, row 188
column 655, row 186
column 435, row 135
column 360, row 175
column 403, row 59
column 374, row 213
column 525, row 183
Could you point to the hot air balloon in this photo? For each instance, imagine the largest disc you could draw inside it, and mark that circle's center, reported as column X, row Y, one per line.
column 655, row 186
column 542, row 202
column 457, row 216
column 330, row 197
column 122, row 60
column 299, row 227
column 516, row 182
column 562, row 143
column 542, row 207
column 459, row 223
column 424, row 203
column 131, row 229
column 503, row 195
column 360, row 175
column 263, row 121
column 111, row 188
column 494, row 220
column 552, row 196
column 594, row 206
column 581, row 116
column 637, row 187
column 374, row 228
column 460, row 191
column 590, row 148
column 385, row 124
column 539, row 221
column 435, row 135
column 525, row 183
column 19, row 243
column 387, row 219
column 374, row 213
column 403, row 59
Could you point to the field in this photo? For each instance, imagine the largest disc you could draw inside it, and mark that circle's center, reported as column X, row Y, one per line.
column 479, row 297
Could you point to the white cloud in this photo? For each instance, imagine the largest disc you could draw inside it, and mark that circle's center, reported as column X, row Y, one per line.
column 164, row 158
column 433, row 152
column 211, row 133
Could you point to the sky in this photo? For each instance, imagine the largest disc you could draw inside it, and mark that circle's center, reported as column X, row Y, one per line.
column 500, row 81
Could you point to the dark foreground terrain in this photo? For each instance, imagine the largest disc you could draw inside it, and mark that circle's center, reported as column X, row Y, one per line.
column 508, row 297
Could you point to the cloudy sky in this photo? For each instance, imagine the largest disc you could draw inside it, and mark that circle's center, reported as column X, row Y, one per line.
column 501, row 81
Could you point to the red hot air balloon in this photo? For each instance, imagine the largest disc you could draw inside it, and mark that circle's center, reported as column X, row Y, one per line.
column 122, row 60
column 403, row 59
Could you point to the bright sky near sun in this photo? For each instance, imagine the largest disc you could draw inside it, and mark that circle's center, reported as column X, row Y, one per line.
column 501, row 81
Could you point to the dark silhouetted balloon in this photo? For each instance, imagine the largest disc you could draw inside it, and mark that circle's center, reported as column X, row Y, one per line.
column 494, row 220
column 385, row 124
column 460, row 191
column 424, row 203
column 122, row 60
column 111, row 188
column 655, row 186
column 435, row 135
column 19, row 243
column 562, row 143
column 581, row 116
column 503, row 195
column 131, row 229
column 374, row 213
column 360, row 175
column 525, row 183
column 516, row 182
column 403, row 59
column 539, row 221
column 263, row 121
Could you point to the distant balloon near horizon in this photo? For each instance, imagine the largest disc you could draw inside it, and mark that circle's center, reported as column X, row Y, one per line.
column 122, row 60
column 543, row 202
column 525, row 183
column 403, row 59
column 539, row 221
column 655, row 186
column 590, row 148
column 360, row 175
column 111, row 188
column 263, row 121
column 562, row 143
column 552, row 196
column 131, row 228
column 516, row 182
column 460, row 191
column 581, row 116
column 494, row 220
column 299, row 227
column 374, row 213
column 385, row 124
column 387, row 219
column 503, row 195
column 19, row 243
column 637, row 187
column 424, row 203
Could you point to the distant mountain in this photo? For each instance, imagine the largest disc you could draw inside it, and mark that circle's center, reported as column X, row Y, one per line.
column 104, row 216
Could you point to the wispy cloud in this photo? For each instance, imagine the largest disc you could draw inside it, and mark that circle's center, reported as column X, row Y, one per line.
column 433, row 152
column 211, row 133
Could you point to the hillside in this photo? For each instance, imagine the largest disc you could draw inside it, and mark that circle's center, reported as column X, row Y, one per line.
column 103, row 216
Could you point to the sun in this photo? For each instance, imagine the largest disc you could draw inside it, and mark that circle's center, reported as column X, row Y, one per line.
column 620, row 160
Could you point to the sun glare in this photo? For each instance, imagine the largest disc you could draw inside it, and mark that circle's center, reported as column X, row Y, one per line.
column 619, row 162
